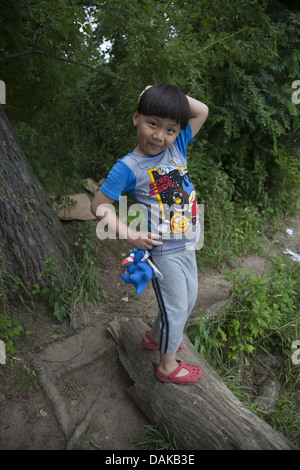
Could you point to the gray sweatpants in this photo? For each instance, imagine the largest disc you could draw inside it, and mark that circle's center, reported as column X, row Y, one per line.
column 176, row 296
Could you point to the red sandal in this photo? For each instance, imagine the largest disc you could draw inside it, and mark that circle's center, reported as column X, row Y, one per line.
column 192, row 377
column 153, row 345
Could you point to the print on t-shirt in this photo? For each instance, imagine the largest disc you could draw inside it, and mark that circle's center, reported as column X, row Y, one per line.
column 172, row 187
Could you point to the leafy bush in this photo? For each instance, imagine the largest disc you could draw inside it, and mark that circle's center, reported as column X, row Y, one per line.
column 231, row 227
column 10, row 332
column 59, row 298
column 86, row 285
column 265, row 313
column 10, row 327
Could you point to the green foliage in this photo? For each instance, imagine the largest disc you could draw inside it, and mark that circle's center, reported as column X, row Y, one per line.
column 286, row 417
column 10, row 331
column 58, row 298
column 231, row 227
column 264, row 318
column 265, row 313
column 86, row 286
column 10, row 326
column 157, row 438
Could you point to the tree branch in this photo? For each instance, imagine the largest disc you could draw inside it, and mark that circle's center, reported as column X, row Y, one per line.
column 70, row 61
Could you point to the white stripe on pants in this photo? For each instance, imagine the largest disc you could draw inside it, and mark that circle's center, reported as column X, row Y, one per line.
column 176, row 295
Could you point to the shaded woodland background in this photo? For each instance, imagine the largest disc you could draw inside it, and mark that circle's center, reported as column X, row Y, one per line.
column 70, row 101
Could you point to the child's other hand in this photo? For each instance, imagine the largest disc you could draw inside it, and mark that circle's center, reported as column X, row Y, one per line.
column 144, row 240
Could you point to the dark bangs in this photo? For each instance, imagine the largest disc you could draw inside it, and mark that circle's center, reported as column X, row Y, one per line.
column 165, row 101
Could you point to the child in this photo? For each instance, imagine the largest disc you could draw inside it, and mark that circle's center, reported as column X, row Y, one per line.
column 156, row 174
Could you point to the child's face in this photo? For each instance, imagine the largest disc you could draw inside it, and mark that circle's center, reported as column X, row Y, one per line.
column 154, row 134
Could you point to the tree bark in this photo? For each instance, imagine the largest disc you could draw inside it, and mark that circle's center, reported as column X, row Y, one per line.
column 203, row 416
column 30, row 231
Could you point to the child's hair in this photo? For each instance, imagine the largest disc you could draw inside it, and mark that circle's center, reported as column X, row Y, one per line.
column 165, row 101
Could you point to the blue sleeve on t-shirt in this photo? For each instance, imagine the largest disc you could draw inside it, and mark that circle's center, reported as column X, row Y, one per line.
column 184, row 138
column 119, row 179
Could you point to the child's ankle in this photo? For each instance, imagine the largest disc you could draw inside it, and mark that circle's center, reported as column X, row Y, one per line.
column 167, row 363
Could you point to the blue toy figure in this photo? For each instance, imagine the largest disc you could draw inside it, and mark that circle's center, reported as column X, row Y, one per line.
column 140, row 269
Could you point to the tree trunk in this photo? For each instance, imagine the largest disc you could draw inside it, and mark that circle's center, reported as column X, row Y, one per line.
column 203, row 416
column 30, row 231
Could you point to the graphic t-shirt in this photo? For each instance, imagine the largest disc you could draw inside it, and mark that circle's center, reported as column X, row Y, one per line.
column 161, row 184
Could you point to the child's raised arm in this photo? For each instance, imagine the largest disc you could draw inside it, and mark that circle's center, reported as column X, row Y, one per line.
column 199, row 113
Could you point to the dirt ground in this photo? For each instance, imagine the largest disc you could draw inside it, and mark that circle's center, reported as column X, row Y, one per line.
column 65, row 387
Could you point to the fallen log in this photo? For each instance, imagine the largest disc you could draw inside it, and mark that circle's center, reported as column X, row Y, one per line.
column 203, row 416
